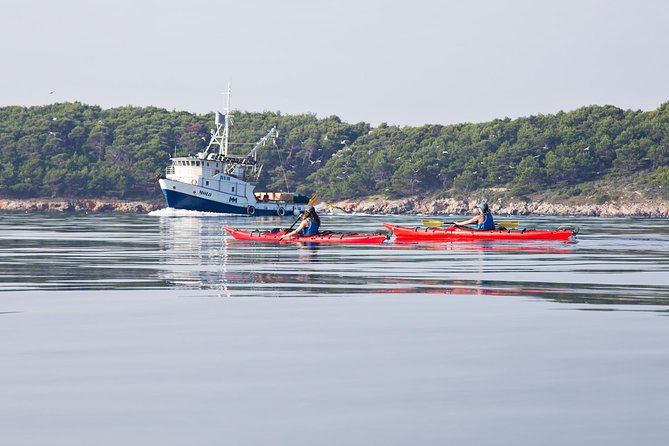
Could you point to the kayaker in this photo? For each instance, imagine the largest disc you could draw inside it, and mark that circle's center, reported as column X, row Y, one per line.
column 309, row 225
column 483, row 220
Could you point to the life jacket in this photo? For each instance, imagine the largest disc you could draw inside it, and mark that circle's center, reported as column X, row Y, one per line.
column 312, row 229
column 488, row 222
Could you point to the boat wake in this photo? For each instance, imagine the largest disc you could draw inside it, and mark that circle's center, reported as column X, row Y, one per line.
column 171, row 212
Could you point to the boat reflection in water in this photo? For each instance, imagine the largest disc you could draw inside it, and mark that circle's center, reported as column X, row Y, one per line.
column 537, row 246
column 396, row 268
column 199, row 255
column 195, row 254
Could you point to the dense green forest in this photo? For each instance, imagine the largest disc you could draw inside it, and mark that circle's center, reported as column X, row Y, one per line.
column 78, row 150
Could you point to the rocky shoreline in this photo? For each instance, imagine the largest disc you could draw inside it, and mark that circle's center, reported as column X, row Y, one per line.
column 377, row 205
column 437, row 206
column 79, row 205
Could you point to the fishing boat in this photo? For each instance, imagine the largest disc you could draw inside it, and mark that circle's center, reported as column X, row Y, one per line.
column 459, row 233
column 216, row 180
column 274, row 235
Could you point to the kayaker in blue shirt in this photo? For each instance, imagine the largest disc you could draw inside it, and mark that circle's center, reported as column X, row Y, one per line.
column 309, row 225
column 483, row 220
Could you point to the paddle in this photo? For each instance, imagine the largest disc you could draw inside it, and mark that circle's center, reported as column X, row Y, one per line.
column 507, row 224
column 312, row 202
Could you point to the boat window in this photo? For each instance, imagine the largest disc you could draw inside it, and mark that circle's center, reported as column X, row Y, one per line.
column 206, row 183
column 233, row 188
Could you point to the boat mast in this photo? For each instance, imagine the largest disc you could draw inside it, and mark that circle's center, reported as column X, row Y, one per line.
column 227, row 123
column 219, row 136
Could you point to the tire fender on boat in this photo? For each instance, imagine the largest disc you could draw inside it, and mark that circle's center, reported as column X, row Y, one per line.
column 281, row 212
column 250, row 210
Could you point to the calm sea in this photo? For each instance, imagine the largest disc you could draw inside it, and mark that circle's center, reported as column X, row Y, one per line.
column 162, row 329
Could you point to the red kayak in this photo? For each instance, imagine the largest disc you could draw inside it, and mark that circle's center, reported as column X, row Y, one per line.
column 321, row 237
column 459, row 233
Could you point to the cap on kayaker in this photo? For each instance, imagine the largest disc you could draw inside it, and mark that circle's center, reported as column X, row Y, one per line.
column 309, row 210
column 483, row 206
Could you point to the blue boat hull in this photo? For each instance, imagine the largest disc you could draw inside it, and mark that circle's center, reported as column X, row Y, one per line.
column 178, row 200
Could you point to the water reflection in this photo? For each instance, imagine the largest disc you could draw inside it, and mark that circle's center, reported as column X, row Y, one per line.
column 75, row 252
column 308, row 252
column 612, row 262
column 557, row 247
column 195, row 253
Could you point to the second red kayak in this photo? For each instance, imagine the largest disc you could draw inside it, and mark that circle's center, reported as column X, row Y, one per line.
column 458, row 233
column 321, row 237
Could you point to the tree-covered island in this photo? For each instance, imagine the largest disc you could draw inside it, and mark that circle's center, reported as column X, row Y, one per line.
column 594, row 153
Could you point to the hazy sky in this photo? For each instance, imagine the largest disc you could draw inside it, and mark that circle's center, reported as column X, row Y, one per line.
column 401, row 62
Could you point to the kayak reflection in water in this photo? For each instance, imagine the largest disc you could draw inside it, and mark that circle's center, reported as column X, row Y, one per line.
column 483, row 220
column 309, row 226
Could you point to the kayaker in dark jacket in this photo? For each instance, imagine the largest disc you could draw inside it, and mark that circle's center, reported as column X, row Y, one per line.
column 309, row 225
column 483, row 220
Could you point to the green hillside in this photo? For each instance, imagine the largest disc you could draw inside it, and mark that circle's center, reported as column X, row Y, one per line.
column 78, row 150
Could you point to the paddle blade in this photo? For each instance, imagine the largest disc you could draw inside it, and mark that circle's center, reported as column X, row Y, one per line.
column 313, row 200
column 433, row 223
column 507, row 224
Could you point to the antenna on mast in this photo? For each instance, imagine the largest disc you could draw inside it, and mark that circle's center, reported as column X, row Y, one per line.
column 227, row 122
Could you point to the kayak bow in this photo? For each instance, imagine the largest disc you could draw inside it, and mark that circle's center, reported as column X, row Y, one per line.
column 322, row 237
column 459, row 233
